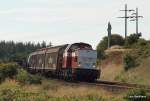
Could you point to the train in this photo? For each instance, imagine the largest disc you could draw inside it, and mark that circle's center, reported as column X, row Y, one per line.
column 75, row 61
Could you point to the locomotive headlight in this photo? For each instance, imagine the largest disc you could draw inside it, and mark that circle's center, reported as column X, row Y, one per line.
column 79, row 65
column 94, row 66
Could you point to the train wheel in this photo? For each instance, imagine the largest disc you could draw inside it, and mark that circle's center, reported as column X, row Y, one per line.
column 60, row 74
column 69, row 76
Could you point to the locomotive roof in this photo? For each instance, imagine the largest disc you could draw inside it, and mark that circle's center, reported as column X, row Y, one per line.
column 53, row 48
column 48, row 49
column 61, row 46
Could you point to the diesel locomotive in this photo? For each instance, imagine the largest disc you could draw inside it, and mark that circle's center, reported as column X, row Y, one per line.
column 75, row 61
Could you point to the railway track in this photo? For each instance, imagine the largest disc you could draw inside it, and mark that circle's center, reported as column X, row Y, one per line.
column 123, row 84
column 116, row 86
column 109, row 85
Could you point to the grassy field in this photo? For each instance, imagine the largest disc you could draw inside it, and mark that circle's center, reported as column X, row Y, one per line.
column 52, row 90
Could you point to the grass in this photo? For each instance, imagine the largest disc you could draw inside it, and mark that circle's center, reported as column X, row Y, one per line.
column 23, row 86
column 139, row 75
column 51, row 90
column 111, row 66
column 112, row 69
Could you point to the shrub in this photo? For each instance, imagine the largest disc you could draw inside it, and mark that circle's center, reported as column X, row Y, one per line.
column 128, row 61
column 25, row 78
column 137, row 95
column 133, row 38
column 8, row 70
column 144, row 48
column 103, row 44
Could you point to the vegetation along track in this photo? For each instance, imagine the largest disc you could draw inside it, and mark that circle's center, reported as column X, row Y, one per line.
column 109, row 85
column 120, row 85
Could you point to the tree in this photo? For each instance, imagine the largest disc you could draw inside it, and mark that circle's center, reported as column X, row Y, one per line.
column 133, row 38
column 17, row 51
column 103, row 44
column 43, row 44
column 117, row 40
column 50, row 44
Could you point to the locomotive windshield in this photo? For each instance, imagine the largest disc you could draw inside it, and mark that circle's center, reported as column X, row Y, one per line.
column 80, row 46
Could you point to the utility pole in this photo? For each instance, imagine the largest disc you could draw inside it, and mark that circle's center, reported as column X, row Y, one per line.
column 126, row 17
column 109, row 34
column 126, row 21
column 136, row 19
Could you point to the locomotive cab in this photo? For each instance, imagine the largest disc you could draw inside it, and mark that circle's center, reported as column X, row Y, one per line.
column 81, row 59
column 85, row 67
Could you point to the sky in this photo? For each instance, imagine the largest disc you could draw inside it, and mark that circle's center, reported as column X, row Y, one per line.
column 68, row 21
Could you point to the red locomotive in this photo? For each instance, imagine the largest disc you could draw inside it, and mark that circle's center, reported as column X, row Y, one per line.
column 70, row 61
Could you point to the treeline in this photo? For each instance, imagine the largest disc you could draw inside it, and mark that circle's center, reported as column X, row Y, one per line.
column 11, row 51
column 116, row 39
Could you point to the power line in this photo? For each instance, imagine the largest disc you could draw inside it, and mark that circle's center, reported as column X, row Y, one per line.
column 126, row 10
column 136, row 18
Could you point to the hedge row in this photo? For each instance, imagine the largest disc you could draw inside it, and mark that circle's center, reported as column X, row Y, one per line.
column 14, row 71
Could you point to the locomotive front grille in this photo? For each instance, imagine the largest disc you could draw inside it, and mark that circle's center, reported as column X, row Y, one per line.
column 86, row 74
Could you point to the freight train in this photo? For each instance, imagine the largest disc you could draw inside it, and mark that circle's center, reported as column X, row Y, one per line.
column 75, row 61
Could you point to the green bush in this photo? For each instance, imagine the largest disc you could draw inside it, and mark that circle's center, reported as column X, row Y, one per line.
column 25, row 78
column 137, row 95
column 8, row 70
column 144, row 48
column 128, row 61
column 133, row 38
column 103, row 44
